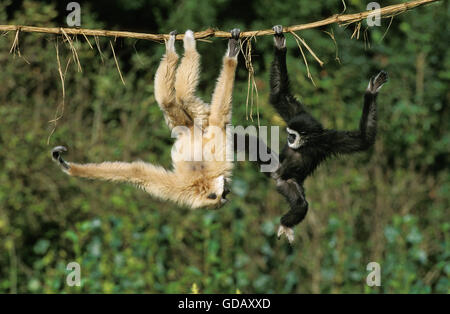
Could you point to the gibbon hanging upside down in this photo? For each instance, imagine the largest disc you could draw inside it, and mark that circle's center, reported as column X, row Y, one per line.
column 308, row 142
column 195, row 181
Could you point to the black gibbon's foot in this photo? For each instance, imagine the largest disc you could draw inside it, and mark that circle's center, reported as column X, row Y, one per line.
column 233, row 43
column 377, row 81
column 56, row 156
column 278, row 38
column 289, row 232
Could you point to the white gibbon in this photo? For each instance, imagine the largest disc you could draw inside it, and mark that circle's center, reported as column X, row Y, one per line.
column 194, row 183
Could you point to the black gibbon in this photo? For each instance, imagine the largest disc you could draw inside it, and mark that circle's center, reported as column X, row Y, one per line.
column 192, row 182
column 308, row 142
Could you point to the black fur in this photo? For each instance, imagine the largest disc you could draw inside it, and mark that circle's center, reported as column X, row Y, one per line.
column 317, row 143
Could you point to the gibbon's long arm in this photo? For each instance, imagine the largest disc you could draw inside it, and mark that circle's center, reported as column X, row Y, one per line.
column 280, row 92
column 345, row 142
column 155, row 180
column 221, row 100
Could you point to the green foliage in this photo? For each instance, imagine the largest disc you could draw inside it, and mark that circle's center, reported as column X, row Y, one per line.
column 389, row 205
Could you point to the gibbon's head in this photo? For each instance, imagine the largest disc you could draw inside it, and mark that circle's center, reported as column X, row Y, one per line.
column 209, row 193
column 301, row 130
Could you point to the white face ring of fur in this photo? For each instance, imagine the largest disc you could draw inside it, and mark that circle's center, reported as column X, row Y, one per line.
column 298, row 139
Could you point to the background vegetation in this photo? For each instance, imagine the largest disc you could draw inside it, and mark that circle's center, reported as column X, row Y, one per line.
column 389, row 205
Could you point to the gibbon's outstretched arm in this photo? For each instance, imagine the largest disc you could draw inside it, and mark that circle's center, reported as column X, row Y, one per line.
column 221, row 100
column 153, row 179
column 280, row 92
column 345, row 142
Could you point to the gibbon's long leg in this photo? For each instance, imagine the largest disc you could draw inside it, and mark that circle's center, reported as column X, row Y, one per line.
column 165, row 86
column 186, row 81
column 154, row 179
column 295, row 195
column 344, row 142
column 221, row 100
column 280, row 92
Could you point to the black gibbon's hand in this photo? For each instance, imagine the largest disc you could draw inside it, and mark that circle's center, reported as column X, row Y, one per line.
column 233, row 43
column 278, row 38
column 170, row 45
column 377, row 81
column 56, row 156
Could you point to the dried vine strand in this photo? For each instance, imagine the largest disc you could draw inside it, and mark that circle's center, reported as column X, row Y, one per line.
column 337, row 18
column 252, row 88
column 59, row 112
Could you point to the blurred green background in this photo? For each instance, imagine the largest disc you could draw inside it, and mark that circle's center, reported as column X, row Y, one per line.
column 389, row 205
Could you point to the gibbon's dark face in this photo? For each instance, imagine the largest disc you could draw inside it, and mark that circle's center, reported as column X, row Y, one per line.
column 301, row 129
column 223, row 197
column 219, row 197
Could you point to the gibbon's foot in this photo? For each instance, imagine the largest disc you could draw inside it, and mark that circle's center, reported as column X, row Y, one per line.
column 170, row 44
column 233, row 43
column 289, row 232
column 278, row 38
column 189, row 40
column 377, row 81
column 56, row 156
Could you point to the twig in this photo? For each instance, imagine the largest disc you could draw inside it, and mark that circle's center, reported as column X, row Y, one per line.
column 15, row 44
column 331, row 34
column 73, row 49
column 337, row 18
column 356, row 31
column 345, row 7
column 252, row 88
column 88, row 41
column 117, row 63
column 387, row 29
column 307, row 47
column 59, row 113
column 304, row 58
column 366, row 38
column 97, row 43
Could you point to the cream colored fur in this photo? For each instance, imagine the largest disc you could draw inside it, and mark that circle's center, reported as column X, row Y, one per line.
column 189, row 182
